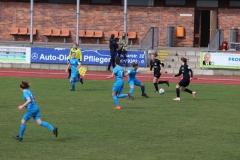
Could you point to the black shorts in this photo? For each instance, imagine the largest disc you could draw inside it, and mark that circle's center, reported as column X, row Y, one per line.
column 184, row 82
column 157, row 74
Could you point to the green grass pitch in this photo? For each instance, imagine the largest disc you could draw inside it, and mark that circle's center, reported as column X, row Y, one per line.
column 157, row 128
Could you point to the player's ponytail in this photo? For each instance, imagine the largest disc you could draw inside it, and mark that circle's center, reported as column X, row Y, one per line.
column 117, row 61
column 24, row 84
column 184, row 60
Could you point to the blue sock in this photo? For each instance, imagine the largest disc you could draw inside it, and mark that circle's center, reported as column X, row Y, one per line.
column 122, row 96
column 115, row 99
column 22, row 129
column 73, row 85
column 131, row 91
column 77, row 80
column 143, row 89
column 47, row 125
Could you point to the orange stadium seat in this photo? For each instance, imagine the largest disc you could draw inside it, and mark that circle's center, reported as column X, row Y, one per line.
column 116, row 33
column 46, row 33
column 98, row 34
column 65, row 33
column 22, row 31
column 89, row 33
column 81, row 33
column 132, row 35
column 13, row 32
column 56, row 32
column 34, row 31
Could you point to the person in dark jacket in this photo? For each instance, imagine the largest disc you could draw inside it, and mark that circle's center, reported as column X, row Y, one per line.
column 113, row 48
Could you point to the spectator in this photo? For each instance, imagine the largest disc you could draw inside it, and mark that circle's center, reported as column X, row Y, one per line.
column 123, row 46
column 113, row 48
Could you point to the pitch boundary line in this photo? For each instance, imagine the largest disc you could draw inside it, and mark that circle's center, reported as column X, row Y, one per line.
column 101, row 75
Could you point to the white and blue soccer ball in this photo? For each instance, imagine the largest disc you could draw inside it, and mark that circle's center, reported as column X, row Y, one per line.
column 161, row 91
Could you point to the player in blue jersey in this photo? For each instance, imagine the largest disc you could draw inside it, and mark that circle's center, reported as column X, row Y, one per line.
column 32, row 112
column 75, row 65
column 118, row 72
column 132, row 80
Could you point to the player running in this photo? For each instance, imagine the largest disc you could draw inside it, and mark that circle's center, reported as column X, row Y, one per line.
column 74, row 64
column 184, row 69
column 78, row 53
column 118, row 72
column 32, row 112
column 132, row 80
column 158, row 68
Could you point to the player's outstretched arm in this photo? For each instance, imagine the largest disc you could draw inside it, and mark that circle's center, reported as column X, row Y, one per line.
column 68, row 66
column 25, row 104
column 111, row 76
column 179, row 73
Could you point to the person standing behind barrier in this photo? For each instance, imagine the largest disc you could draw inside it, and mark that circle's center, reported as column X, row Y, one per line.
column 78, row 53
column 113, row 48
column 123, row 46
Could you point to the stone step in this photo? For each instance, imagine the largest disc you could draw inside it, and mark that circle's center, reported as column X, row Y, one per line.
column 178, row 58
column 184, row 53
column 178, row 64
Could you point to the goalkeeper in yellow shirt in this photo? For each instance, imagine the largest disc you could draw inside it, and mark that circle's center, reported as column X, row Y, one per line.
column 78, row 56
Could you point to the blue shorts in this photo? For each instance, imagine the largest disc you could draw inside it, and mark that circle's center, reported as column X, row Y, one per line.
column 34, row 113
column 118, row 87
column 74, row 75
column 135, row 82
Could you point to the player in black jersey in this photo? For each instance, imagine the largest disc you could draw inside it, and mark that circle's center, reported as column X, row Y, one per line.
column 158, row 67
column 184, row 70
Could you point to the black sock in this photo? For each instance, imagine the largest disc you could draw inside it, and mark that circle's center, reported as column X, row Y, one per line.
column 156, row 86
column 69, row 72
column 178, row 92
column 162, row 82
column 187, row 90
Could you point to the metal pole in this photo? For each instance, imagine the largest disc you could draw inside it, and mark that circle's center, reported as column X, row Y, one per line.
column 77, row 22
column 125, row 16
column 152, row 38
column 31, row 22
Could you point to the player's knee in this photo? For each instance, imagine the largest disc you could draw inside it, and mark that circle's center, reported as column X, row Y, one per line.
column 39, row 121
column 132, row 86
column 183, row 89
column 177, row 86
column 23, row 121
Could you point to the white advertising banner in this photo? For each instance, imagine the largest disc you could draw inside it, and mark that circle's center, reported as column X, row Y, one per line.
column 220, row 60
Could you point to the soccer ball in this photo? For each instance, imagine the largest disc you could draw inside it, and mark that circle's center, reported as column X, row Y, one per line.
column 161, row 91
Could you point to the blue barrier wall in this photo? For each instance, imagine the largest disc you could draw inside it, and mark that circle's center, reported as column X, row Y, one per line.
column 89, row 57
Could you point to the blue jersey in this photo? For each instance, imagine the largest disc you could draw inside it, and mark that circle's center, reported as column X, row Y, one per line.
column 118, row 72
column 28, row 94
column 74, row 62
column 132, row 74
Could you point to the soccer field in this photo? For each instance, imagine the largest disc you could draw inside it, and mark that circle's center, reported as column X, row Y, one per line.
column 144, row 129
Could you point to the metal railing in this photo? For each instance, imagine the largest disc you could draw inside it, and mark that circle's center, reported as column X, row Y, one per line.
column 150, row 39
column 216, row 41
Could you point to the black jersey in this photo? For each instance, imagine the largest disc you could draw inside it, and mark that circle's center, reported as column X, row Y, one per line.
column 185, row 69
column 156, row 64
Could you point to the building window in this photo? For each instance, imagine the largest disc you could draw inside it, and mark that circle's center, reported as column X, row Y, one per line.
column 139, row 2
column 234, row 3
column 207, row 3
column 101, row 1
column 176, row 2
